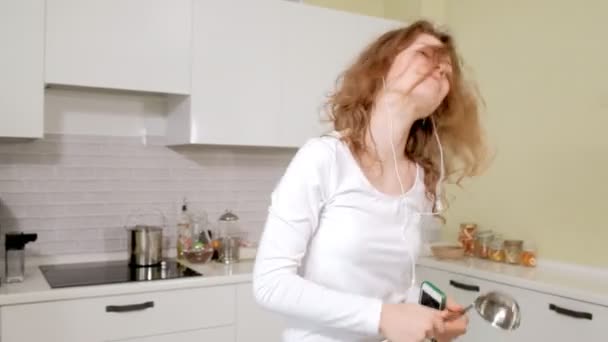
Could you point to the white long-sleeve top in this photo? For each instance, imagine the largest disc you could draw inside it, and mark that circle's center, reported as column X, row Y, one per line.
column 334, row 248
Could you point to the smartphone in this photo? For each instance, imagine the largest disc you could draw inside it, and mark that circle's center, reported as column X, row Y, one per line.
column 432, row 296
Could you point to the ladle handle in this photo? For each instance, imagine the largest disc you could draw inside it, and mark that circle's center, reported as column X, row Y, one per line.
column 460, row 313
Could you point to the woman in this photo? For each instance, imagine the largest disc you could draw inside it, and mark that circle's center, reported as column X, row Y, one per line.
column 338, row 250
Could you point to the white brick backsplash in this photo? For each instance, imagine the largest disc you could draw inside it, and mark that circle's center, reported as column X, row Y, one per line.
column 72, row 173
column 30, row 198
column 76, row 191
column 11, row 186
column 7, row 172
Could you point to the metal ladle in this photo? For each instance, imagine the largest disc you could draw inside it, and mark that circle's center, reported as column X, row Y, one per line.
column 499, row 309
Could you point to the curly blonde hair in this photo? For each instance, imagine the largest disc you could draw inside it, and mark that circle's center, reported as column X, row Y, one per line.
column 457, row 118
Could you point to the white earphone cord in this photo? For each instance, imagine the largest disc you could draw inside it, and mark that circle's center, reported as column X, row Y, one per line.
column 438, row 193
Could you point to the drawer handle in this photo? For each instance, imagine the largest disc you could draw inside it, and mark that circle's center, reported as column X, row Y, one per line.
column 466, row 287
column 130, row 307
column 571, row 313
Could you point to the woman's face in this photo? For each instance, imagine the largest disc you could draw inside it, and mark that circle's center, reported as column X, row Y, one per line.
column 421, row 75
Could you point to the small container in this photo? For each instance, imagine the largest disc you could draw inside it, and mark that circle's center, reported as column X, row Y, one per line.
column 482, row 244
column 529, row 254
column 497, row 250
column 513, row 251
column 466, row 237
column 14, row 255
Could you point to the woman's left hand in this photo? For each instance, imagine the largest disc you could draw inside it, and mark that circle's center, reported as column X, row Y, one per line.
column 455, row 322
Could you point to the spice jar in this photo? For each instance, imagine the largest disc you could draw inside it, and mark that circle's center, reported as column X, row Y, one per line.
column 528, row 256
column 466, row 237
column 497, row 251
column 482, row 244
column 513, row 250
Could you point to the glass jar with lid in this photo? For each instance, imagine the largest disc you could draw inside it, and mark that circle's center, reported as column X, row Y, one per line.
column 466, row 237
column 513, row 250
column 529, row 254
column 229, row 238
column 483, row 239
column 497, row 251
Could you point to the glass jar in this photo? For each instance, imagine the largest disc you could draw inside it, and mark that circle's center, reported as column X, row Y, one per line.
column 497, row 250
column 482, row 244
column 466, row 237
column 529, row 254
column 513, row 250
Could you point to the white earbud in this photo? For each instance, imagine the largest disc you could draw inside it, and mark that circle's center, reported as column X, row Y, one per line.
column 439, row 187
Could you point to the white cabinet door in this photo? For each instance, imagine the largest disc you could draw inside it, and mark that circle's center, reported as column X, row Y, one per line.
column 235, row 73
column 139, row 45
column 119, row 317
column 544, row 317
column 21, row 68
column 317, row 45
column 553, row 318
column 254, row 323
column 464, row 289
column 221, row 334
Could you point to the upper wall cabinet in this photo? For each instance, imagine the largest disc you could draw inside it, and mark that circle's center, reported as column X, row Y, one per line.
column 236, row 76
column 261, row 70
column 317, row 45
column 21, row 68
column 141, row 45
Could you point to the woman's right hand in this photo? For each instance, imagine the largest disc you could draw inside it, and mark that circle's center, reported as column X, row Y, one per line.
column 410, row 322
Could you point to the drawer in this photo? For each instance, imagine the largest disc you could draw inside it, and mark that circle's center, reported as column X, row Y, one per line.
column 221, row 334
column 119, row 317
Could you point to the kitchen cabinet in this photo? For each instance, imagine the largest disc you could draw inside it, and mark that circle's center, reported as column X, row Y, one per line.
column 141, row 45
column 21, row 69
column 132, row 316
column 313, row 54
column 260, row 78
column 253, row 322
column 539, row 321
column 235, row 76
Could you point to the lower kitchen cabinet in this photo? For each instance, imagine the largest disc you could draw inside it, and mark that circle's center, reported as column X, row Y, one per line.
column 225, row 313
column 113, row 318
column 545, row 317
column 252, row 322
column 204, row 335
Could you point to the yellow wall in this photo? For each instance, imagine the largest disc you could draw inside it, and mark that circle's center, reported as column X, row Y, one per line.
column 403, row 10
column 542, row 67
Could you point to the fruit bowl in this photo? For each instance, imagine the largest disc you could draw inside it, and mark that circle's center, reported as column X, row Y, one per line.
column 199, row 254
column 447, row 251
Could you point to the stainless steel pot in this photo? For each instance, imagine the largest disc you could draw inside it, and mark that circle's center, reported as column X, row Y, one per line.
column 145, row 237
column 145, row 245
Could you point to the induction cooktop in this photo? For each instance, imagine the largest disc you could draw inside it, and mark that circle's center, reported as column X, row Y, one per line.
column 112, row 272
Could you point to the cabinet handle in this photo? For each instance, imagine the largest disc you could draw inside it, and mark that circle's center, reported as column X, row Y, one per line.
column 466, row 287
column 130, row 307
column 571, row 313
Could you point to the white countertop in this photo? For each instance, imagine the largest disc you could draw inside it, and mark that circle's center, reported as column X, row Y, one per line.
column 579, row 283
column 36, row 289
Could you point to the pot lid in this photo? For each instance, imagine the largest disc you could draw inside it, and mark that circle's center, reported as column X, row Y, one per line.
column 228, row 216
